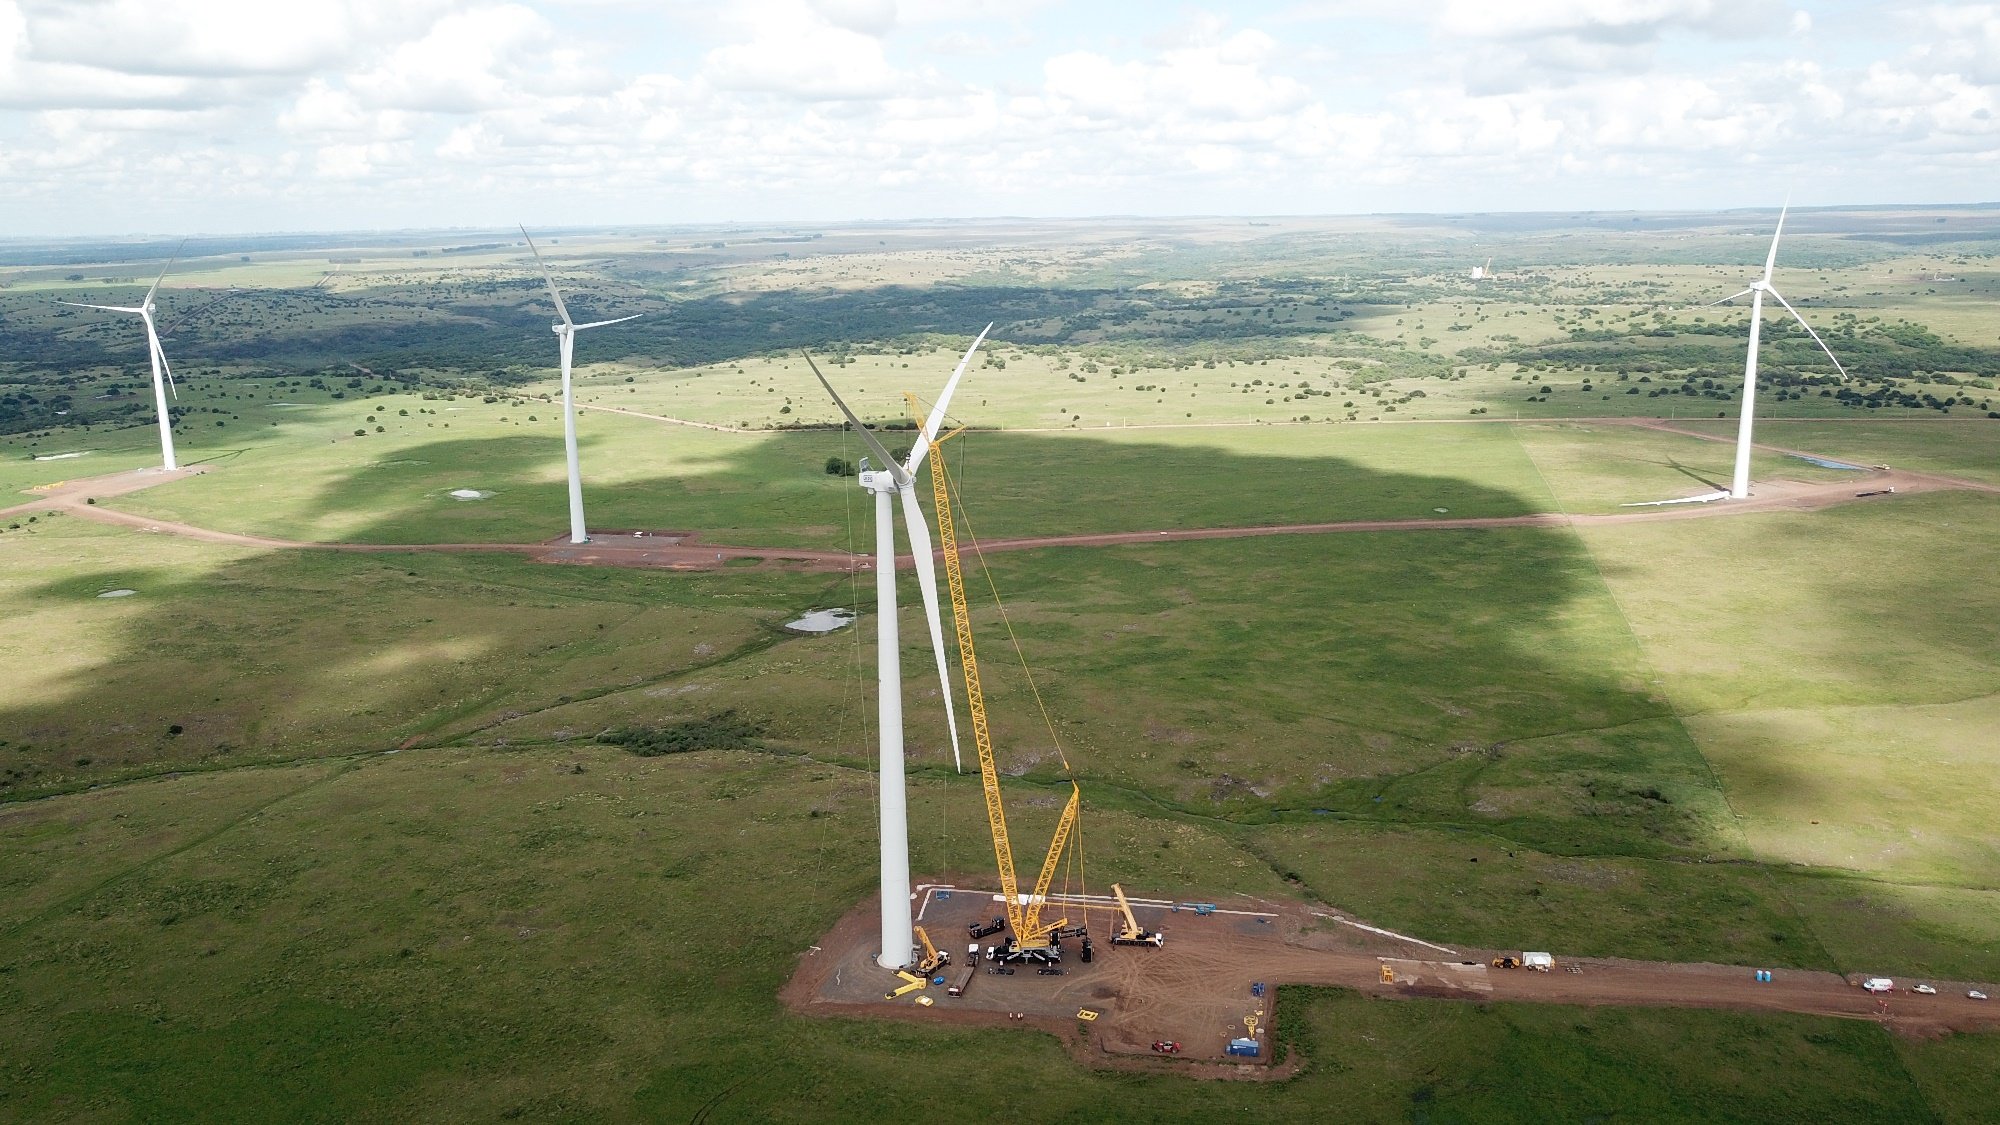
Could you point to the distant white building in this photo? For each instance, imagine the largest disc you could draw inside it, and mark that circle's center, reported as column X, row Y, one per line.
column 1483, row 273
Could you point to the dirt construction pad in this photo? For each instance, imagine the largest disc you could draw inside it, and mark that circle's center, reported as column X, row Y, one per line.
column 1197, row 989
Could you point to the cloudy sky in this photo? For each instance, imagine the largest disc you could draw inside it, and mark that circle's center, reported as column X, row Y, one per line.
column 170, row 116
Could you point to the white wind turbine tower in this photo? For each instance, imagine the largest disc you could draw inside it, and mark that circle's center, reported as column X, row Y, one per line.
column 896, row 479
column 1739, row 486
column 566, row 338
column 158, row 355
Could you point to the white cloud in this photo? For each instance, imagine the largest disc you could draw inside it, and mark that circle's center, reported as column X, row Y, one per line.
column 1608, row 21
column 798, row 49
column 369, row 113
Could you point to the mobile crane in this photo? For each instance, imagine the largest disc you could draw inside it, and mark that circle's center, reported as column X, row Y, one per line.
column 1131, row 933
column 932, row 959
column 1032, row 939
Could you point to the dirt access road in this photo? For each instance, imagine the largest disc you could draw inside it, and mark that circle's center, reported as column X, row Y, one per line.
column 1196, row 989
column 684, row 550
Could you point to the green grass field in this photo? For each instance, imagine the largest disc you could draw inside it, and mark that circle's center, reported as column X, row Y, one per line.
column 476, row 935
column 327, row 836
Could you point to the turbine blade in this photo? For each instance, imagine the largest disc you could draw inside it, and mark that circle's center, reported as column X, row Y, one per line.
column 561, row 309
column 895, row 470
column 1724, row 301
column 602, row 323
column 1809, row 331
column 920, row 553
column 1771, row 259
column 927, row 436
column 163, row 272
column 159, row 353
column 101, row 308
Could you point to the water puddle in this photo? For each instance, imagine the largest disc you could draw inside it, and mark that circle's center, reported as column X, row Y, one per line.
column 822, row 620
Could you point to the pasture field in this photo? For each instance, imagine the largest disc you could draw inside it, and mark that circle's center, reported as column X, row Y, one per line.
column 311, row 834
column 773, row 490
column 550, row 932
column 1962, row 447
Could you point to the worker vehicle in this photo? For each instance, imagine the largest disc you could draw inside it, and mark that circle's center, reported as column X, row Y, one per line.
column 1879, row 984
column 1131, row 933
column 925, row 1001
column 1506, row 963
column 981, row 929
column 1925, row 989
column 1975, row 994
column 1166, row 1047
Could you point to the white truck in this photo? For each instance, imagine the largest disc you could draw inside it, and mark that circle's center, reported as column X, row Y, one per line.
column 1879, row 984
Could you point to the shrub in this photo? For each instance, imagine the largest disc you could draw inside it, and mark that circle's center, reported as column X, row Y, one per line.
column 722, row 731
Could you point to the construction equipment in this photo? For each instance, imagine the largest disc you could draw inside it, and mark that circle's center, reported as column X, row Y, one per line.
column 911, row 983
column 932, row 958
column 1086, row 1015
column 1506, row 963
column 1033, row 939
column 1131, row 933
column 1388, row 974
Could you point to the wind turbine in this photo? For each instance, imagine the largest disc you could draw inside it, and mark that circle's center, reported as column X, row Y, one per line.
column 145, row 309
column 895, row 479
column 566, row 338
column 1739, row 486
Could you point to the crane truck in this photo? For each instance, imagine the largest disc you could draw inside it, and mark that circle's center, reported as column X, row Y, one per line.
column 1130, row 933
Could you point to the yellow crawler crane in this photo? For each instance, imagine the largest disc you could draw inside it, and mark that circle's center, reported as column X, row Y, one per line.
column 1032, row 937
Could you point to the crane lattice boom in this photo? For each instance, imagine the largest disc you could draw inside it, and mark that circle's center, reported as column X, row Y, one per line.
column 1023, row 918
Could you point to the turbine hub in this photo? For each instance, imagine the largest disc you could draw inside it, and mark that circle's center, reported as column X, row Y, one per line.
column 877, row 480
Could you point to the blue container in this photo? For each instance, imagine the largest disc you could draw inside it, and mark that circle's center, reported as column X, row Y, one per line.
column 1246, row 1047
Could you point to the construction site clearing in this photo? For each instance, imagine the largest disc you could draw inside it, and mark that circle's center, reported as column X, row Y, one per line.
column 1209, row 993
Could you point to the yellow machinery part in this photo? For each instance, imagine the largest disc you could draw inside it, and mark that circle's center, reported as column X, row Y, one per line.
column 931, row 958
column 1023, row 918
column 911, row 983
column 1131, row 932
